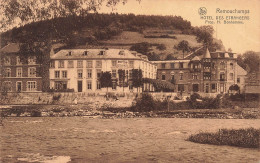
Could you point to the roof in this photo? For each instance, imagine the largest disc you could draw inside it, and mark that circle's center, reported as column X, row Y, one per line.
column 11, row 48
column 241, row 71
column 207, row 54
column 95, row 53
column 196, row 58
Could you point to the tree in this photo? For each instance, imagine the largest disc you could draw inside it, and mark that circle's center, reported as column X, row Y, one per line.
column 252, row 59
column 106, row 80
column 204, row 34
column 143, row 48
column 137, row 78
column 183, row 46
column 170, row 57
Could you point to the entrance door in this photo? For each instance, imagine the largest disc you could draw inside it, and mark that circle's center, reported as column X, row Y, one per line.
column 79, row 86
column 207, row 88
column 221, row 88
column 18, row 86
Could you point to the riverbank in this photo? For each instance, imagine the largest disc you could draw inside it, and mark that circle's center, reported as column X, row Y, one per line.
column 110, row 113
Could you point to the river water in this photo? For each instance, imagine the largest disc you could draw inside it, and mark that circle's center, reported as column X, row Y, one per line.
column 80, row 139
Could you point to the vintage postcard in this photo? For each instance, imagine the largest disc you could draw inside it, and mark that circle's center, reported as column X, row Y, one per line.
column 129, row 81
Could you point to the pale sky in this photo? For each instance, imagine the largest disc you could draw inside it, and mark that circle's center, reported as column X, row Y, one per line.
column 238, row 37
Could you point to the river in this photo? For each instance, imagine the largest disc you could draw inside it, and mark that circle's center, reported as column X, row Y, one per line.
column 80, row 139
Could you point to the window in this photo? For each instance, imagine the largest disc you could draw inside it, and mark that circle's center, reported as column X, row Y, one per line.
column 163, row 65
column 98, row 85
column 221, row 55
column 7, row 85
column 32, row 72
column 18, row 60
column 32, row 60
column 89, row 85
column 180, row 87
column 57, row 74
column 213, row 86
column 69, row 53
column 85, row 53
column 206, row 65
column 131, row 64
column 89, row 64
column 194, row 76
column 89, row 73
column 70, row 64
column 52, row 64
column 222, row 76
column 238, row 80
column 7, row 61
column 163, row 77
column 114, row 85
column 113, row 73
column 231, row 76
column 181, row 65
column 80, row 74
column 181, row 76
column 114, row 63
column 102, row 52
column 31, row 86
column 18, row 72
column 231, row 55
column 61, row 64
column 7, row 72
column 222, row 65
column 98, row 73
column 206, row 75
column 195, row 87
column 99, row 64
column 64, row 74
column 79, row 64
column 231, row 66
column 172, row 65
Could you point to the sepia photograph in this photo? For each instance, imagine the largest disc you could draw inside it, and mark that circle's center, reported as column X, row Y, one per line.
column 129, row 81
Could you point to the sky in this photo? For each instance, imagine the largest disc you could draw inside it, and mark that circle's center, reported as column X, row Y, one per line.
column 238, row 37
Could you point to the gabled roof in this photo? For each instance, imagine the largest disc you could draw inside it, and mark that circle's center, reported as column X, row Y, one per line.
column 11, row 48
column 95, row 53
column 241, row 71
column 196, row 58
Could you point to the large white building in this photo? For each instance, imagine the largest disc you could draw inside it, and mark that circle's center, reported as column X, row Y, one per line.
column 80, row 69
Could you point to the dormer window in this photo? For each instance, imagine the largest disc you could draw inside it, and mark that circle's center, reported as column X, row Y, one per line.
column 121, row 52
column 69, row 53
column 85, row 53
column 102, row 52
column 222, row 55
column 231, row 55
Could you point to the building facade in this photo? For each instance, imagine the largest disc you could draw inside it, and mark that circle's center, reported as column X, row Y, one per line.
column 207, row 73
column 80, row 69
column 18, row 76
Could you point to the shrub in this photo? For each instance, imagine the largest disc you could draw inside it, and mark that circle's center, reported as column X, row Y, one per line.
column 56, row 97
column 248, row 138
column 145, row 104
column 36, row 113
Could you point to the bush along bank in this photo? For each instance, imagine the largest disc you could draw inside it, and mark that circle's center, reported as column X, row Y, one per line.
column 143, row 106
column 248, row 138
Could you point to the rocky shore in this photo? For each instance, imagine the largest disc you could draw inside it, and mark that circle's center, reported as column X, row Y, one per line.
column 110, row 113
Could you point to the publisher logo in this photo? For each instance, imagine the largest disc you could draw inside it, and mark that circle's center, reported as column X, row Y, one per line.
column 202, row 11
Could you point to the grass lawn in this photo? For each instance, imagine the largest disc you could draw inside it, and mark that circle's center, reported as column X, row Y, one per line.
column 248, row 138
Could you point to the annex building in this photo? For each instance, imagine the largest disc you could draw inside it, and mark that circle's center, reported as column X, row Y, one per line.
column 80, row 69
column 211, row 72
column 17, row 75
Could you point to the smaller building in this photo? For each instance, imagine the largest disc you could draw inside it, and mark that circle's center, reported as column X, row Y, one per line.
column 241, row 77
column 18, row 76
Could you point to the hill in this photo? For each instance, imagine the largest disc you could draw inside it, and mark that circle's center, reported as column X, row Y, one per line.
column 109, row 30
